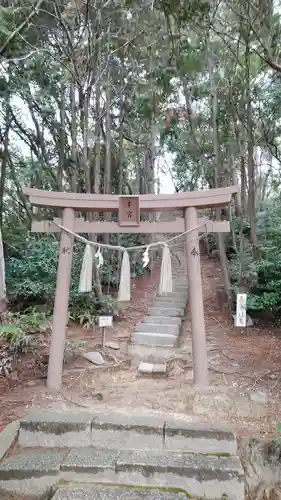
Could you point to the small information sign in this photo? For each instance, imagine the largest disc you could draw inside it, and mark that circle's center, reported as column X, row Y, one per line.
column 105, row 321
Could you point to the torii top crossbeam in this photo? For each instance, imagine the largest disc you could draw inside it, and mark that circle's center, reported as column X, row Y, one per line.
column 147, row 202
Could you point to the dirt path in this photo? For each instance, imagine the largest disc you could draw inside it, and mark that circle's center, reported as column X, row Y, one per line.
column 241, row 363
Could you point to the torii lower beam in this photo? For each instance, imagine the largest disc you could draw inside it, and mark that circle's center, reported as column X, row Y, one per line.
column 188, row 202
column 84, row 227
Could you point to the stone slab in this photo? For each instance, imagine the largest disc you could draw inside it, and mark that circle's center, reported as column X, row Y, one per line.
column 89, row 460
column 145, row 367
column 8, row 436
column 53, row 429
column 120, row 431
column 197, row 466
column 155, row 339
column 162, row 320
column 159, row 368
column 167, row 311
column 32, row 464
column 154, row 328
column 199, row 438
column 34, row 488
column 110, row 493
column 94, row 357
column 200, row 476
column 152, row 368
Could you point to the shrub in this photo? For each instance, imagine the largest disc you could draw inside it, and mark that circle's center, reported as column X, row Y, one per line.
column 262, row 273
column 31, row 275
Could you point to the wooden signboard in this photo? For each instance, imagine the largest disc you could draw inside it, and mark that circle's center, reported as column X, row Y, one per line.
column 129, row 211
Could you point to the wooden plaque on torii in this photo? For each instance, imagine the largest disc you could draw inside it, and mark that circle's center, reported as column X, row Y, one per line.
column 129, row 211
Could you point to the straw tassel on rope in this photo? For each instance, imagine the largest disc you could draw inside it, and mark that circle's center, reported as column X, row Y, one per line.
column 86, row 275
column 166, row 278
column 124, row 293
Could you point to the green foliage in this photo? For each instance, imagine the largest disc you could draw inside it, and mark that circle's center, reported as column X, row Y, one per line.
column 31, row 275
column 263, row 273
column 277, row 437
column 17, row 329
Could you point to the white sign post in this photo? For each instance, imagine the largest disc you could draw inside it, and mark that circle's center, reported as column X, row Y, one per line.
column 241, row 310
column 104, row 321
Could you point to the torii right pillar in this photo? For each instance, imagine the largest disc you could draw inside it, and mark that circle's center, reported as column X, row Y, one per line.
column 195, row 296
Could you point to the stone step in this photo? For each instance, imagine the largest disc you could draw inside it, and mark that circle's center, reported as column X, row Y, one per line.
column 176, row 295
column 162, row 320
column 177, row 312
column 156, row 339
column 156, row 328
column 180, row 289
column 178, row 299
column 211, row 477
column 170, row 303
column 118, row 430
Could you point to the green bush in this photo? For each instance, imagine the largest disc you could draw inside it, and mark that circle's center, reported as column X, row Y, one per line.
column 17, row 329
column 262, row 273
column 31, row 274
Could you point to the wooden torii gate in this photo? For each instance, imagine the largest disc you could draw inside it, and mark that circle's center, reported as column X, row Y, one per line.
column 129, row 222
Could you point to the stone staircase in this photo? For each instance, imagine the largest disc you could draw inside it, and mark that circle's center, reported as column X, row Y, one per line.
column 113, row 455
column 157, row 336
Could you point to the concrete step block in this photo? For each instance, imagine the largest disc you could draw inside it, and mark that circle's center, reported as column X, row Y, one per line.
column 124, row 431
column 207, row 477
column 32, row 464
column 155, row 339
column 155, row 328
column 55, row 429
column 204, row 438
column 162, row 320
column 167, row 311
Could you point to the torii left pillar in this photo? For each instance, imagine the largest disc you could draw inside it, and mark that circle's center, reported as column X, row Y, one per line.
column 60, row 317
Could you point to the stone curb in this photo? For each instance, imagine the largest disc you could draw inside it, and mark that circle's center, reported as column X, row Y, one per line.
column 109, row 493
column 8, row 436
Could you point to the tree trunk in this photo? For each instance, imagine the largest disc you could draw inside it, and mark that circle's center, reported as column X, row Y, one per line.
column 61, row 138
column 74, row 159
column 250, row 140
column 217, row 177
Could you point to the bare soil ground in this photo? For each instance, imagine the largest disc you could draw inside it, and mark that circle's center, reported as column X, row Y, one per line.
column 241, row 362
